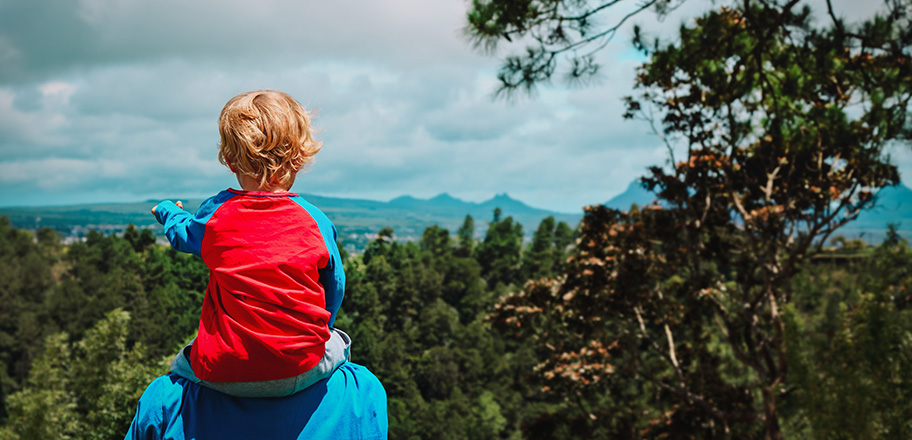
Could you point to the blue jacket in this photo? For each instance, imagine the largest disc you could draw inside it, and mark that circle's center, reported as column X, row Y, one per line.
column 351, row 404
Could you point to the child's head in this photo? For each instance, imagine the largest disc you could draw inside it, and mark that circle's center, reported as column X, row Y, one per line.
column 266, row 135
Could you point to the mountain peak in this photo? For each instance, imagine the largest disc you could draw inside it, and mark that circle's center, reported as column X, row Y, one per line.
column 405, row 198
column 502, row 198
column 635, row 193
column 444, row 197
column 508, row 204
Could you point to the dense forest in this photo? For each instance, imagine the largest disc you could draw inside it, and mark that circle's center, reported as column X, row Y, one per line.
column 85, row 327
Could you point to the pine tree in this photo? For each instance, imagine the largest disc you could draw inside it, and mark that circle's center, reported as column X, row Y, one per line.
column 466, row 235
column 499, row 253
column 539, row 258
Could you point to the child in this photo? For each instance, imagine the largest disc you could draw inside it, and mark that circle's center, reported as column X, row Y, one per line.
column 275, row 273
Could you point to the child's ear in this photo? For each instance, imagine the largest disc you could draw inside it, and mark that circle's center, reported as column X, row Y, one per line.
column 231, row 167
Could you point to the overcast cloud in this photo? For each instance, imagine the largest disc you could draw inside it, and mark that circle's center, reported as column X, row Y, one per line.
column 117, row 100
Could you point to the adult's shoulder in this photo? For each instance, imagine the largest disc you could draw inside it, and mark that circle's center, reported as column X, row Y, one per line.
column 360, row 372
column 351, row 404
column 164, row 390
column 356, row 378
column 158, row 407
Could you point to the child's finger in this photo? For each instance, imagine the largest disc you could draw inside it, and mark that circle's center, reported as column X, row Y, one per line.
column 153, row 210
column 179, row 204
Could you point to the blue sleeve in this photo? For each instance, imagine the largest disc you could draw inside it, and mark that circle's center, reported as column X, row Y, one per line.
column 184, row 230
column 147, row 423
column 332, row 277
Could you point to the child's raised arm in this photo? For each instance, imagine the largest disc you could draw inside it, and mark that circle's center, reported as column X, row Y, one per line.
column 184, row 230
column 178, row 203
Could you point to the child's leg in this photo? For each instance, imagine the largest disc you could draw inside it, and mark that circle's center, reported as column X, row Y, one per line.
column 338, row 351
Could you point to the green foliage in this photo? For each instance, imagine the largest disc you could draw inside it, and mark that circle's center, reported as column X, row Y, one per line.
column 499, row 253
column 119, row 373
column 85, row 391
column 538, row 260
column 563, row 237
column 466, row 235
column 46, row 288
column 139, row 240
column 47, row 407
column 27, row 273
column 554, row 32
column 486, row 420
column 546, row 255
column 850, row 339
column 417, row 313
column 419, row 318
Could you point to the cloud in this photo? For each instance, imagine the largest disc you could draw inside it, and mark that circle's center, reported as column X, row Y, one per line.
column 89, row 33
column 35, row 125
column 118, row 99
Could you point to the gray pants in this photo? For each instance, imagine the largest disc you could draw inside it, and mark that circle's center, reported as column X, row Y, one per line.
column 338, row 351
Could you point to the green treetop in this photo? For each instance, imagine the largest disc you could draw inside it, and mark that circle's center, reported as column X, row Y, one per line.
column 786, row 125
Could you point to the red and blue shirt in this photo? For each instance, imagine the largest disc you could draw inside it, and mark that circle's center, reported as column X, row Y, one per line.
column 275, row 283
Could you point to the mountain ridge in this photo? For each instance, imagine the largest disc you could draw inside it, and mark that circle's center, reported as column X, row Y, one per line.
column 893, row 204
column 356, row 219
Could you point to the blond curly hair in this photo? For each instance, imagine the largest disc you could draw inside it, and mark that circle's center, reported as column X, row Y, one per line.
column 266, row 135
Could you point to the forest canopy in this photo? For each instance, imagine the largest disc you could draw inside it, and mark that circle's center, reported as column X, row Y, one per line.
column 419, row 314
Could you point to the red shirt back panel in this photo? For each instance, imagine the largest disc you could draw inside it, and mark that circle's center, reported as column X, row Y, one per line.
column 264, row 316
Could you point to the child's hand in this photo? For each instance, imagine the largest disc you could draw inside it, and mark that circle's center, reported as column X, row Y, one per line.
column 179, row 205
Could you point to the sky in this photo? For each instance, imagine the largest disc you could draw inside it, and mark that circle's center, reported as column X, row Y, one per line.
column 118, row 100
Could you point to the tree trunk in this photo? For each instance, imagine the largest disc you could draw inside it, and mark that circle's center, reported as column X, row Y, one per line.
column 770, row 414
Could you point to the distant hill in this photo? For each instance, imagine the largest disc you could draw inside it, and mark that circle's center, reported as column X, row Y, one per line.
column 359, row 219
column 356, row 219
column 635, row 193
column 410, row 216
column 893, row 205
